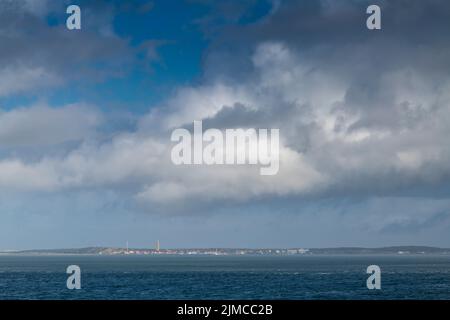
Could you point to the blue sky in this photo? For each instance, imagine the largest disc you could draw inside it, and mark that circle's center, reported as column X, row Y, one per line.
column 86, row 117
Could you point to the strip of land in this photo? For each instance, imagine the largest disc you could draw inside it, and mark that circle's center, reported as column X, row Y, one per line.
column 397, row 250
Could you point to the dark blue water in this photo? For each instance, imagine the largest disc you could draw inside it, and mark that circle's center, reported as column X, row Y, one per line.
column 225, row 277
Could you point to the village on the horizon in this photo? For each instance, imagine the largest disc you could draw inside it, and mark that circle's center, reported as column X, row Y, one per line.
column 398, row 250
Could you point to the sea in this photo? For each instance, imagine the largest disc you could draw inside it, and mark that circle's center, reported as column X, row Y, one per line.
column 163, row 277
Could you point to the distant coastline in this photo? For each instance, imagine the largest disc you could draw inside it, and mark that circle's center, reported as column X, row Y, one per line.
column 397, row 250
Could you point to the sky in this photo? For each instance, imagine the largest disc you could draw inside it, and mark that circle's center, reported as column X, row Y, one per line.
column 86, row 118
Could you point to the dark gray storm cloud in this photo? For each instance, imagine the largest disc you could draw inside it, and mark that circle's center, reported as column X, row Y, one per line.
column 383, row 128
column 37, row 51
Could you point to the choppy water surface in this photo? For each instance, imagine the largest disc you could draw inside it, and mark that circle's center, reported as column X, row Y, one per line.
column 225, row 277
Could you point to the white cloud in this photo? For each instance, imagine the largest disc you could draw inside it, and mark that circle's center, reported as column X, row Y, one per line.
column 21, row 79
column 334, row 156
column 17, row 176
column 42, row 125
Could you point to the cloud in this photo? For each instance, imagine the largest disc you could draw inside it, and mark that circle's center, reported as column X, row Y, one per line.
column 36, row 55
column 41, row 125
column 21, row 79
column 359, row 113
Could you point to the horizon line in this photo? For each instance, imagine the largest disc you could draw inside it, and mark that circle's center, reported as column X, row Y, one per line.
column 224, row 248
